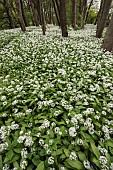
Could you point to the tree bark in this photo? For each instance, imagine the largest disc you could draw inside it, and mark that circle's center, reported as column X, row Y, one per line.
column 73, row 14
column 20, row 16
column 103, row 13
column 23, row 14
column 9, row 14
column 63, row 18
column 42, row 17
column 108, row 39
column 56, row 13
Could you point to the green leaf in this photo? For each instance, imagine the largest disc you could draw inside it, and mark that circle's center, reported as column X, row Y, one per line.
column 66, row 151
column 1, row 162
column 30, row 167
column 15, row 164
column 15, row 158
column 36, row 160
column 95, row 161
column 9, row 156
column 109, row 143
column 40, row 166
column 95, row 150
column 18, row 150
column 59, row 151
column 75, row 164
column 81, row 156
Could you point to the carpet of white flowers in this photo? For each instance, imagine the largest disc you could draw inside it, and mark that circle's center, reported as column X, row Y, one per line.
column 56, row 101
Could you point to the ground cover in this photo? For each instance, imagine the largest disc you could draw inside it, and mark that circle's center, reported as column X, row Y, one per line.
column 56, row 101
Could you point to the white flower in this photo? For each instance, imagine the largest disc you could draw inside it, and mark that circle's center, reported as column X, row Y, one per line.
column 51, row 141
column 73, row 156
column 51, row 160
column 3, row 98
column 6, row 167
column 21, row 139
column 4, row 103
column 111, row 166
column 72, row 131
column 53, row 124
column 103, row 160
column 28, row 141
column 41, row 142
column 23, row 164
column 57, row 130
column 14, row 102
column 80, row 141
column 24, row 153
column 87, row 164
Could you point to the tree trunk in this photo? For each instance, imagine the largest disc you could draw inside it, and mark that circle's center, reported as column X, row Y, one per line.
column 103, row 13
column 84, row 9
column 35, row 14
column 56, row 13
column 108, row 39
column 42, row 17
column 73, row 14
column 63, row 18
column 20, row 16
column 87, row 13
column 9, row 14
column 23, row 14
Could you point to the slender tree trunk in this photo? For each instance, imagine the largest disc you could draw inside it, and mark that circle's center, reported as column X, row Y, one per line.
column 87, row 13
column 108, row 39
column 63, row 18
column 20, row 16
column 84, row 9
column 74, row 14
column 9, row 14
column 35, row 14
column 103, row 13
column 42, row 17
column 50, row 12
column 56, row 13
column 23, row 14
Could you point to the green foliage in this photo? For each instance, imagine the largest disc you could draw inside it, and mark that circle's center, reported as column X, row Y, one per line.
column 55, row 100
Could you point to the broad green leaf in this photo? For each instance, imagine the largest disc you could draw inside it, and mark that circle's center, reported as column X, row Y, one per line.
column 17, row 150
column 40, row 166
column 15, row 158
column 15, row 164
column 75, row 164
column 9, row 156
column 66, row 151
column 59, row 151
column 81, row 156
column 36, row 160
column 109, row 143
column 95, row 150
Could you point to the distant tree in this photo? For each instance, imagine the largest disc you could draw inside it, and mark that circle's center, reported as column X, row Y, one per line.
column 103, row 13
column 87, row 12
column 108, row 39
column 8, row 10
column 34, row 13
column 63, row 18
column 73, row 14
column 56, row 10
